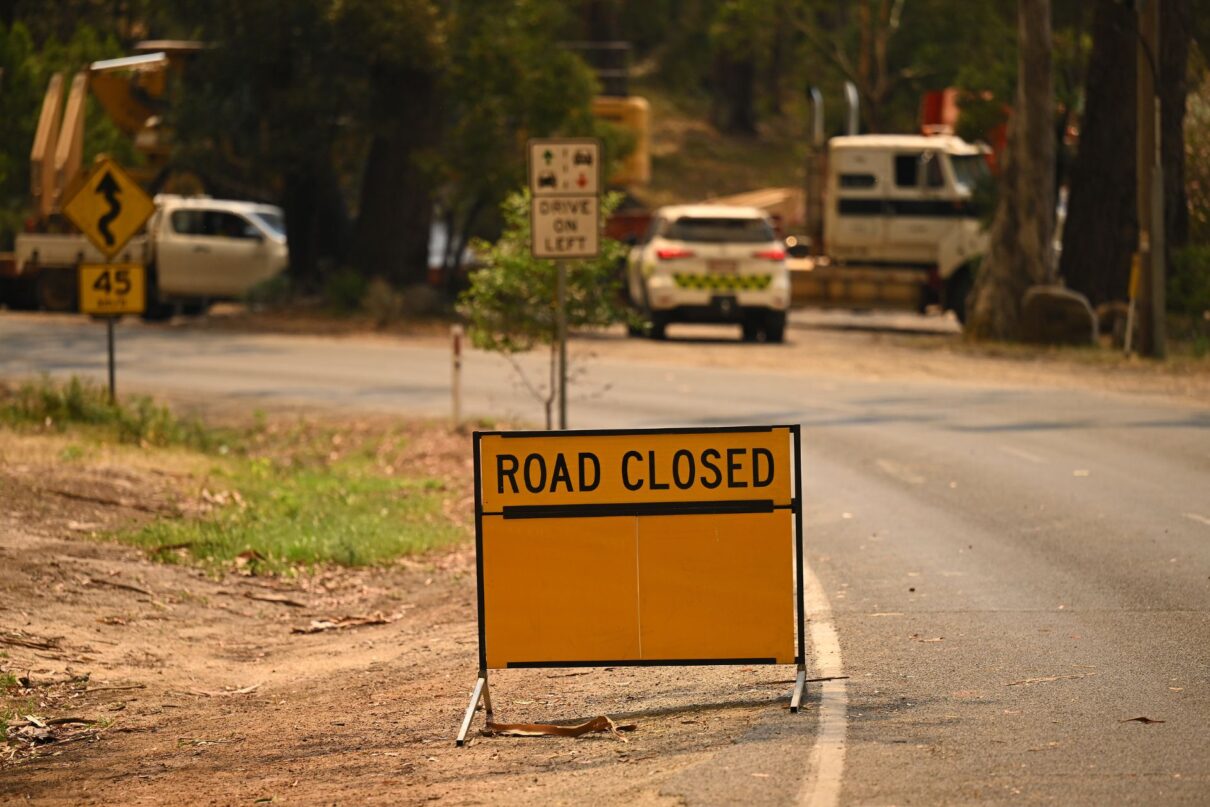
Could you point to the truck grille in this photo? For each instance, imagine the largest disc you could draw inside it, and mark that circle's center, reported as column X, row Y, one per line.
column 723, row 282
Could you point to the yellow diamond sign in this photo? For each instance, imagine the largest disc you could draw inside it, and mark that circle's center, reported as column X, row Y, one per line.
column 109, row 207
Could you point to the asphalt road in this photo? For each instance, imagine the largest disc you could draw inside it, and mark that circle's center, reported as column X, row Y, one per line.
column 1013, row 573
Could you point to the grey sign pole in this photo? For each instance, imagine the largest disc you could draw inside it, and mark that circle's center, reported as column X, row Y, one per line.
column 561, row 329
column 113, row 387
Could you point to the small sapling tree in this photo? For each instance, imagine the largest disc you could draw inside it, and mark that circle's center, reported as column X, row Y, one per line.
column 510, row 306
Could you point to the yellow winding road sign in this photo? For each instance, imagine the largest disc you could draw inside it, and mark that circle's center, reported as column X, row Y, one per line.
column 109, row 208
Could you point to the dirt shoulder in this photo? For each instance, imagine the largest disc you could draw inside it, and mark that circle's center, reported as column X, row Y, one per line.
column 200, row 690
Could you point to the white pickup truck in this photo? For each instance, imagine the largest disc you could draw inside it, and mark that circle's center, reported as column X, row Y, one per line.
column 196, row 249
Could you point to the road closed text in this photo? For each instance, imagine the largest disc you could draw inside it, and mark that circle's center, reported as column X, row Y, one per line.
column 601, row 470
column 711, row 468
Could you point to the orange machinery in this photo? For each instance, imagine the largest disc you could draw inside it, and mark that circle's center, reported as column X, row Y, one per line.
column 133, row 92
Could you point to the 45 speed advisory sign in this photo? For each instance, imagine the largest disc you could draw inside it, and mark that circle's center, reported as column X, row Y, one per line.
column 112, row 289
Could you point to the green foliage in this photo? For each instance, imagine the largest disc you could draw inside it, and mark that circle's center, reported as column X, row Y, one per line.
column 510, row 305
column 275, row 292
column 344, row 290
column 1197, row 161
column 1189, row 281
column 507, row 79
column 78, row 402
column 26, row 67
column 290, row 516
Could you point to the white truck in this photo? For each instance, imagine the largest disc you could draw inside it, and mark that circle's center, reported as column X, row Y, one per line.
column 710, row 263
column 196, row 250
column 900, row 225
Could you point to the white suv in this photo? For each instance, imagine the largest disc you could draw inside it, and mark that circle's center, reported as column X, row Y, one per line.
column 710, row 263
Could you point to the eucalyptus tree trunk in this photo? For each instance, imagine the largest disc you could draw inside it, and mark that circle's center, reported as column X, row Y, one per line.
column 1101, row 230
column 1019, row 253
column 1176, row 33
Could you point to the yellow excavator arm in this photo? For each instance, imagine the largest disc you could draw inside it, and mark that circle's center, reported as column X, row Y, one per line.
column 132, row 90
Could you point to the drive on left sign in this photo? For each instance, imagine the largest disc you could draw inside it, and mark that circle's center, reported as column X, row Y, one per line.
column 565, row 226
column 564, row 185
column 109, row 208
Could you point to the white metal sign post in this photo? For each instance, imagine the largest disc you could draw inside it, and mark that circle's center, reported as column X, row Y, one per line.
column 565, row 219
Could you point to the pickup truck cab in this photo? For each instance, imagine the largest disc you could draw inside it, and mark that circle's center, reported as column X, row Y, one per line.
column 710, row 263
column 206, row 249
column 196, row 250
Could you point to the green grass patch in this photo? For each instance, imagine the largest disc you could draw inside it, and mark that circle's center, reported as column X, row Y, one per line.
column 284, row 517
column 274, row 497
column 81, row 404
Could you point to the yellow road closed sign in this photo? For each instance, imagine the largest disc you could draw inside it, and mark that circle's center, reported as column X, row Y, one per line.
column 111, row 289
column 638, row 547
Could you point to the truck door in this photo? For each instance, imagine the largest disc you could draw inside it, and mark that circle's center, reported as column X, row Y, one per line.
column 180, row 245
column 918, row 213
column 855, row 221
column 206, row 253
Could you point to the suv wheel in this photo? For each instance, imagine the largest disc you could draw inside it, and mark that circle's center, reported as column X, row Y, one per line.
column 659, row 326
column 775, row 326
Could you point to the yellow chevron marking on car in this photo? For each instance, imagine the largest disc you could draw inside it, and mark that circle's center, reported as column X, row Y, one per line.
column 723, row 282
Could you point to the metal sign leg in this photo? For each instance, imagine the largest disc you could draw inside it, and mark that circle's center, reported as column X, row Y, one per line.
column 113, row 390
column 800, row 684
column 479, row 693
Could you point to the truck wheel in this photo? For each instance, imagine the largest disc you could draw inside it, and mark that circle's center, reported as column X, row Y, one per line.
column 751, row 330
column 56, row 290
column 659, row 326
column 775, row 326
column 956, row 292
column 19, row 294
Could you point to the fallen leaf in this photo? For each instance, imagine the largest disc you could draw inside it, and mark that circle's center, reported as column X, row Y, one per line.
column 916, row 637
column 597, row 724
column 1143, row 720
column 276, row 598
column 1048, row 678
column 344, row 623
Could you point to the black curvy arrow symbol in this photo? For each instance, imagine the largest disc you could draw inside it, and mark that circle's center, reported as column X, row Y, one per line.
column 108, row 187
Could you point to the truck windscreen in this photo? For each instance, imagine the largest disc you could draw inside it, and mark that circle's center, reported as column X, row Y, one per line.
column 273, row 221
column 969, row 169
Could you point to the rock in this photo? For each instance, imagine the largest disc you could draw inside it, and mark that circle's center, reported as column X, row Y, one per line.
column 1054, row 315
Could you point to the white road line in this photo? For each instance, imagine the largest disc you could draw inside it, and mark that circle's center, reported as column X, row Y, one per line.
column 825, row 765
column 1021, row 453
column 1196, row 517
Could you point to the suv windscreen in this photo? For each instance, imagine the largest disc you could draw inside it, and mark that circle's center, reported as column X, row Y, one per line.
column 718, row 230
